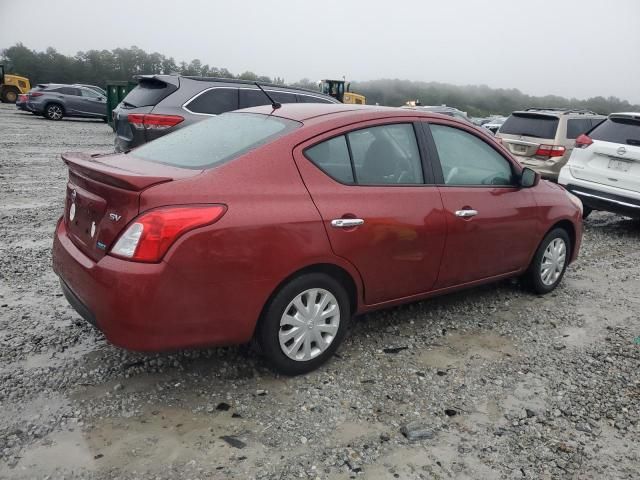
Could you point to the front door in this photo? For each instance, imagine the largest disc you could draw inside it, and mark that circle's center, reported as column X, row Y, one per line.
column 491, row 221
column 379, row 213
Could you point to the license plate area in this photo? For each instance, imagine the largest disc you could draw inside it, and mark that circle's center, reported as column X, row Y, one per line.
column 517, row 148
column 619, row 165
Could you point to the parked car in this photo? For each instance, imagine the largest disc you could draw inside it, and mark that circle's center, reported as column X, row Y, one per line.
column 56, row 101
column 21, row 102
column 494, row 124
column 542, row 138
column 441, row 109
column 160, row 104
column 281, row 226
column 604, row 168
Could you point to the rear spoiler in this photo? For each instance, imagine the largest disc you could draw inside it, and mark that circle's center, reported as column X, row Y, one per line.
column 168, row 79
column 89, row 166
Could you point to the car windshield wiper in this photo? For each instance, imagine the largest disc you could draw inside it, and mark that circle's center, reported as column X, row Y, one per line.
column 127, row 104
column 528, row 135
column 633, row 141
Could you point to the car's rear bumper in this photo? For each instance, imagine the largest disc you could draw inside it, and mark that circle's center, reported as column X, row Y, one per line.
column 548, row 169
column 149, row 307
column 602, row 197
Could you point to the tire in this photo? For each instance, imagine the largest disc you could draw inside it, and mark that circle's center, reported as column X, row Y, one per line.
column 318, row 337
column 54, row 111
column 586, row 211
column 9, row 95
column 555, row 250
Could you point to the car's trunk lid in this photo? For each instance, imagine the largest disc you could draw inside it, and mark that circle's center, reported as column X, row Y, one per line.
column 103, row 195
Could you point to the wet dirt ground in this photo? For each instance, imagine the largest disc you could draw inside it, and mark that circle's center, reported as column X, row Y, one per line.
column 505, row 384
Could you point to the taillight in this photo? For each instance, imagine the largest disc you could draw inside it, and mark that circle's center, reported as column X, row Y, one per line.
column 153, row 121
column 583, row 141
column 150, row 235
column 550, row 151
column 36, row 94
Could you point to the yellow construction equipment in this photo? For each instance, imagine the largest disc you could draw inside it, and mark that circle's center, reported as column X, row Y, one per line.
column 11, row 86
column 336, row 88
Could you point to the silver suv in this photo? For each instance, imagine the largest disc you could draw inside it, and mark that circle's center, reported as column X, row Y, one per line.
column 543, row 138
column 55, row 101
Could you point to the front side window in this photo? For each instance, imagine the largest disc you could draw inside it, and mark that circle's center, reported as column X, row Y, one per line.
column 467, row 160
column 216, row 140
column 384, row 155
column 89, row 93
column 214, row 101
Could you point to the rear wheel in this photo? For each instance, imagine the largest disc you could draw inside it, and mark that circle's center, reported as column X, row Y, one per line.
column 54, row 111
column 550, row 262
column 304, row 323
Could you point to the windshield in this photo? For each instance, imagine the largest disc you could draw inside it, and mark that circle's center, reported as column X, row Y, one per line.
column 216, row 140
column 530, row 125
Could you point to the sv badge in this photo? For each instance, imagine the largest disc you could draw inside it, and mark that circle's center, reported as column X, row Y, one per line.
column 115, row 217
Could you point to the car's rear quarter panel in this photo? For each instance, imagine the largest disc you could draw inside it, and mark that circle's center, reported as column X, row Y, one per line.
column 270, row 231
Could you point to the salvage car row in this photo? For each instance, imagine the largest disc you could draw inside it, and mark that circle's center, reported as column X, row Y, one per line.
column 280, row 222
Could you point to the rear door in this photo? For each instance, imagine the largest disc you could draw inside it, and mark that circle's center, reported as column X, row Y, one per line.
column 380, row 209
column 490, row 221
column 71, row 99
column 614, row 157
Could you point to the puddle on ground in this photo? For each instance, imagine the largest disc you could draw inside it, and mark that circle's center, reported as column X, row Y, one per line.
column 160, row 436
column 457, row 349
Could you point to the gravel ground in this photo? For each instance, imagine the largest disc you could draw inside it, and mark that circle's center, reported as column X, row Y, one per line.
column 489, row 383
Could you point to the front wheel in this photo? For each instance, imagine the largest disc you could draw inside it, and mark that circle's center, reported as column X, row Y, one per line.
column 550, row 262
column 304, row 323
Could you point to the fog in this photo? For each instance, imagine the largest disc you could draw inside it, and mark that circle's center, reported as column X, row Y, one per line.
column 571, row 48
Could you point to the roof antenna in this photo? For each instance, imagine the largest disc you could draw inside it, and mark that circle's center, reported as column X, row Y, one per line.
column 275, row 105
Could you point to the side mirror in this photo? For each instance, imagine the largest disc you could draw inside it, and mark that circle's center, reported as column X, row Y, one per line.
column 529, row 178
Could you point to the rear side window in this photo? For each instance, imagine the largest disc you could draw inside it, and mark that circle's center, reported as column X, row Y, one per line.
column 384, row 155
column 618, row 130
column 67, row 91
column 149, row 92
column 215, row 101
column 311, row 99
column 254, row 97
column 531, row 125
column 577, row 126
column 214, row 141
column 332, row 157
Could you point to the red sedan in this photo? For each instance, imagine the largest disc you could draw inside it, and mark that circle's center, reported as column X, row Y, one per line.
column 281, row 225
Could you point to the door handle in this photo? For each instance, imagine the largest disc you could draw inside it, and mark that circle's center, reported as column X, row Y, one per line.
column 466, row 213
column 346, row 222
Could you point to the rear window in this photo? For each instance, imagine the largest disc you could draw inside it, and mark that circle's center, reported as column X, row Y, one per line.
column 216, row 140
column 618, row 130
column 149, row 92
column 530, row 125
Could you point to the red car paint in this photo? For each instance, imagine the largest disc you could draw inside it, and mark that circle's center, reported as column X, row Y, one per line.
column 212, row 284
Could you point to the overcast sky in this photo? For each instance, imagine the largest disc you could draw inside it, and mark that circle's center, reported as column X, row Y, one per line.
column 574, row 48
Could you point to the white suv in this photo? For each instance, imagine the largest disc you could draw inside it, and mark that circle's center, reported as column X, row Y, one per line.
column 604, row 168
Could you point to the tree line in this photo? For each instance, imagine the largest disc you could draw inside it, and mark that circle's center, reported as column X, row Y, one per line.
column 96, row 67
